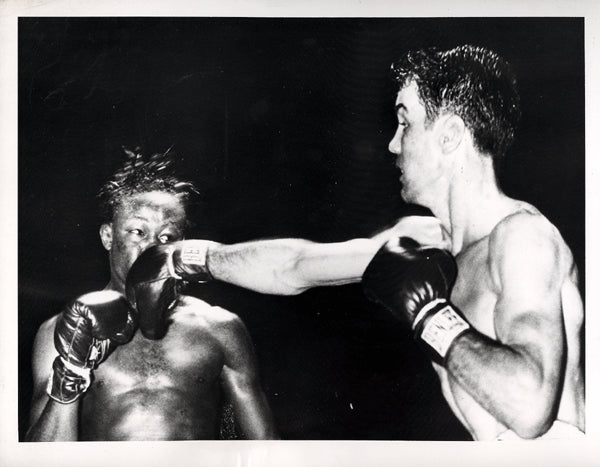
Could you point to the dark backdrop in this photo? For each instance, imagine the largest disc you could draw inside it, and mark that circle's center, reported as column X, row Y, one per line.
column 284, row 124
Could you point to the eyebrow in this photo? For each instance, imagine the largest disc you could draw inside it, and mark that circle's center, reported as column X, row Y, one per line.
column 399, row 106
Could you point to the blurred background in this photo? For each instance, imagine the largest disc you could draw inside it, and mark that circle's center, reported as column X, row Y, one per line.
column 283, row 124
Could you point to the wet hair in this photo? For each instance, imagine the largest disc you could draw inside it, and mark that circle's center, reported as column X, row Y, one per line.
column 472, row 82
column 143, row 174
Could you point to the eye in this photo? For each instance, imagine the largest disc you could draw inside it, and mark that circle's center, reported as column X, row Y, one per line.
column 137, row 232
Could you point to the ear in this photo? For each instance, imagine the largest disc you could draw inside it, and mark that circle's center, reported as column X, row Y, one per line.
column 452, row 133
column 106, row 235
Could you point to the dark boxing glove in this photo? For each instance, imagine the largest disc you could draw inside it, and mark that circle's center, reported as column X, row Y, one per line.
column 85, row 333
column 153, row 281
column 414, row 283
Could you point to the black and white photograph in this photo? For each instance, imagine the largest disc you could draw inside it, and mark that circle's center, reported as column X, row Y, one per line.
column 336, row 228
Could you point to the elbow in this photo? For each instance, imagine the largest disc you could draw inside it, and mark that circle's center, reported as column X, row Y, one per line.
column 289, row 279
column 536, row 414
column 532, row 426
column 286, row 285
column 536, row 397
column 293, row 289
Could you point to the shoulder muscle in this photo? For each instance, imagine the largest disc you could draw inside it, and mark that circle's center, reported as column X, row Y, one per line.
column 528, row 262
column 528, row 247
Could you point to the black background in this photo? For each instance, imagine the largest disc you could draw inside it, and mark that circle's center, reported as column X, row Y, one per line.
column 284, row 125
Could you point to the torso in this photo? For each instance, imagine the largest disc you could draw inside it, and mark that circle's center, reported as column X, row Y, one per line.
column 160, row 389
column 475, row 295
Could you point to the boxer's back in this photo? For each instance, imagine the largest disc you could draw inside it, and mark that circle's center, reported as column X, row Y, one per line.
column 476, row 295
column 160, row 389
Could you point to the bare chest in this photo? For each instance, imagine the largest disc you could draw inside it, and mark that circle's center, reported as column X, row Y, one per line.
column 473, row 292
column 180, row 357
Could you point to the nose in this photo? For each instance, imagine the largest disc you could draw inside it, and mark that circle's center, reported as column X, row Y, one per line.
column 395, row 146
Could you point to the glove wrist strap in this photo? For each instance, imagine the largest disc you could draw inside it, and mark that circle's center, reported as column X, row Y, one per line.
column 67, row 382
column 193, row 255
column 439, row 327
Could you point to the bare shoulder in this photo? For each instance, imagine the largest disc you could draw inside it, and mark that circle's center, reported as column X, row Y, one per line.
column 524, row 227
column 198, row 313
column 224, row 326
column 526, row 237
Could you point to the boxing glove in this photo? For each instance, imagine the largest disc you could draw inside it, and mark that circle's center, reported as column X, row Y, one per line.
column 414, row 283
column 153, row 281
column 86, row 331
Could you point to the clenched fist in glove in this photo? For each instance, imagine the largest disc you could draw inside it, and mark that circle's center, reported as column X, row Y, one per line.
column 154, row 279
column 85, row 333
column 414, row 283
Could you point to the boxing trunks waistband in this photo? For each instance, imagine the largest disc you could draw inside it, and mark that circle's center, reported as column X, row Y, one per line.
column 558, row 430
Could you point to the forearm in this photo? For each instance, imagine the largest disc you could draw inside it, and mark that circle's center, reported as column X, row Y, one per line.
column 290, row 266
column 57, row 422
column 507, row 382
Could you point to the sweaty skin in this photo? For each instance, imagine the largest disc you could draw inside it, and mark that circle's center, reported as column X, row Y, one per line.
column 480, row 295
column 519, row 368
column 165, row 389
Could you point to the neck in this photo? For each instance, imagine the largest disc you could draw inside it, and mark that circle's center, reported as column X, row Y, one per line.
column 473, row 203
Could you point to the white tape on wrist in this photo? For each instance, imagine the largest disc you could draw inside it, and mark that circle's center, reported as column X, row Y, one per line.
column 442, row 328
column 195, row 252
column 192, row 253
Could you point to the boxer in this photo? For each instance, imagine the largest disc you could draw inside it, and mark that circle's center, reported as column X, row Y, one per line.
column 504, row 326
column 108, row 381
column 490, row 291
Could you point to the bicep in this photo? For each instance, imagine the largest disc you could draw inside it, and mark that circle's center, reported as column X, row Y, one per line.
column 526, row 263
column 326, row 264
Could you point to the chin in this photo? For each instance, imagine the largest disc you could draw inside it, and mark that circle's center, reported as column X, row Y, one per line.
column 413, row 198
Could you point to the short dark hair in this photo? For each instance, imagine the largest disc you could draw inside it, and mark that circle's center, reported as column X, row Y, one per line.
column 472, row 82
column 142, row 174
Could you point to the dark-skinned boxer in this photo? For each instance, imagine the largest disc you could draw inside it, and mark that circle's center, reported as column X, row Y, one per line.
column 172, row 388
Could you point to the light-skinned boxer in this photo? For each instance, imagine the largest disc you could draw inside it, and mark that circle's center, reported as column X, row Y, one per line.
column 494, row 299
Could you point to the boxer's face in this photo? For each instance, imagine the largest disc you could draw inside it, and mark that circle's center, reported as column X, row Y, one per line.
column 415, row 146
column 139, row 222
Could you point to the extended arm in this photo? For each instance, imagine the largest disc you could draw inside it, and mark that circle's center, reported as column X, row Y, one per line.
column 291, row 266
column 279, row 267
column 517, row 377
column 242, row 385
